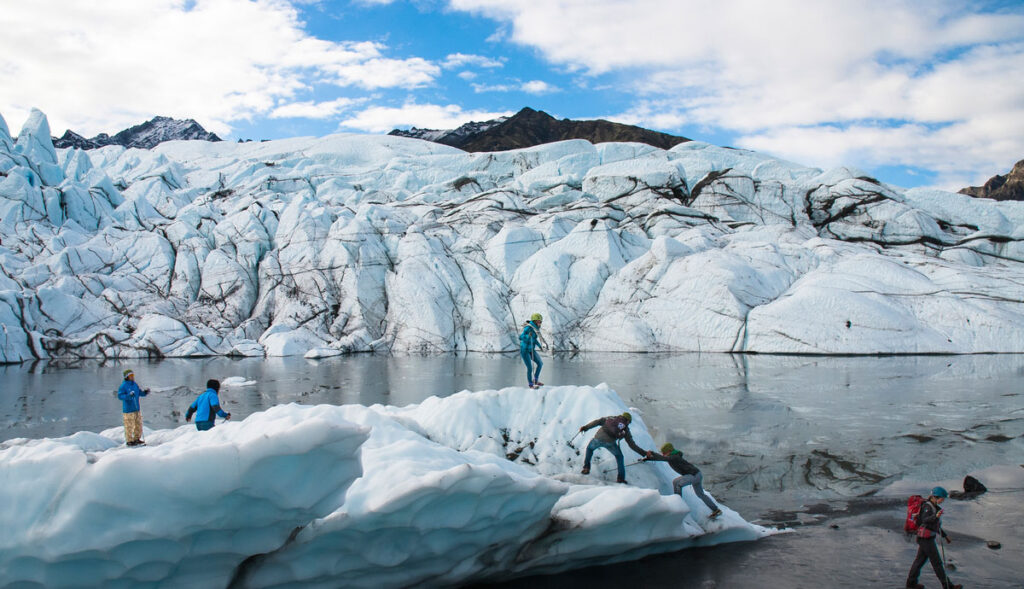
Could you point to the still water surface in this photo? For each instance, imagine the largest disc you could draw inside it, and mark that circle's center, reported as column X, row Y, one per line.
column 829, row 446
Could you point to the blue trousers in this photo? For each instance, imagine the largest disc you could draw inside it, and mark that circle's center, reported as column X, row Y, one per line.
column 204, row 425
column 612, row 447
column 698, row 488
column 531, row 357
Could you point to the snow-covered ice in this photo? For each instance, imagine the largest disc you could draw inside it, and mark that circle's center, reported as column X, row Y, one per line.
column 348, row 243
column 475, row 486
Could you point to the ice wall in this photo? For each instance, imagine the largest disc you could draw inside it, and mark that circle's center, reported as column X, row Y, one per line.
column 357, row 243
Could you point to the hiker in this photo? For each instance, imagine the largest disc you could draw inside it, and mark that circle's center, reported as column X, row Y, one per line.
column 129, row 393
column 206, row 407
column 689, row 475
column 529, row 341
column 928, row 525
column 613, row 429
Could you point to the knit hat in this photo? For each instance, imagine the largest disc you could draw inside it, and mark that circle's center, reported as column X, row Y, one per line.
column 128, row 372
column 668, row 448
column 213, row 384
column 627, row 415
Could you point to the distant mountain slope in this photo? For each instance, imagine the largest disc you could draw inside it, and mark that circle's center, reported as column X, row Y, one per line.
column 529, row 127
column 1008, row 187
column 145, row 136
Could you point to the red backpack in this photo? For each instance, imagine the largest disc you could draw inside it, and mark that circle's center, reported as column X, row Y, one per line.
column 913, row 510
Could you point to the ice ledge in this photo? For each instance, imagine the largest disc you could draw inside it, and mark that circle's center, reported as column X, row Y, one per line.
column 478, row 485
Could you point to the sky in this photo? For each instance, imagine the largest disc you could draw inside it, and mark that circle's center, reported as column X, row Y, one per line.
column 915, row 93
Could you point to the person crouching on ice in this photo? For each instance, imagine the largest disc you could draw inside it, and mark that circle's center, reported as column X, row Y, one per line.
column 129, row 393
column 928, row 525
column 689, row 475
column 529, row 341
column 206, row 407
column 613, row 429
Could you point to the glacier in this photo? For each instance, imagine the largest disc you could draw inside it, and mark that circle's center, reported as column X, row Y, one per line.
column 357, row 243
column 473, row 487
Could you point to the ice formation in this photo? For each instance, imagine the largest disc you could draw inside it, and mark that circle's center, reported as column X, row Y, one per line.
column 476, row 486
column 355, row 243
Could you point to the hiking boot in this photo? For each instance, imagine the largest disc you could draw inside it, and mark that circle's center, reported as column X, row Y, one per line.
column 914, row 586
column 538, row 384
column 715, row 513
column 621, row 480
column 586, row 470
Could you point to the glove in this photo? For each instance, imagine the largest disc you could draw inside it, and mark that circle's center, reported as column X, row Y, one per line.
column 582, row 429
column 949, row 540
column 649, row 454
column 188, row 419
column 145, row 391
column 228, row 417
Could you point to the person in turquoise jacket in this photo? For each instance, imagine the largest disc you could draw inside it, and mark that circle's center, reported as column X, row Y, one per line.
column 129, row 392
column 206, row 407
column 529, row 341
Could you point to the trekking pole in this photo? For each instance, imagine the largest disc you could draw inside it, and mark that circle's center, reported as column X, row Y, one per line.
column 627, row 466
column 945, row 565
column 572, row 439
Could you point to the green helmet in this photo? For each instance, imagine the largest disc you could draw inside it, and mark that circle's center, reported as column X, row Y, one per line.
column 536, row 317
column 668, row 448
column 127, row 372
column 627, row 415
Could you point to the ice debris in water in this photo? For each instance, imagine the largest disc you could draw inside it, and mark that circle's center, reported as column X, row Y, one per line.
column 344, row 495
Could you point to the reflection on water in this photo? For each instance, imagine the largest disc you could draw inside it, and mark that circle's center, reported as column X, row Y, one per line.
column 773, row 434
column 839, row 426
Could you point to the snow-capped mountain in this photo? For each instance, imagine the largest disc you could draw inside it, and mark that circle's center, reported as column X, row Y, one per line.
column 355, row 243
column 453, row 137
column 145, row 136
column 529, row 128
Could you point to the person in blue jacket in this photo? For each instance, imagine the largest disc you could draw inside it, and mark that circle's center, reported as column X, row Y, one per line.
column 529, row 341
column 129, row 393
column 206, row 407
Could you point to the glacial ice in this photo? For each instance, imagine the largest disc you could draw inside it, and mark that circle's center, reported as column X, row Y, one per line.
column 351, row 243
column 476, row 486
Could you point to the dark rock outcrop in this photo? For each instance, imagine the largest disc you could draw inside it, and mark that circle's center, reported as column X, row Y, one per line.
column 1008, row 187
column 530, row 127
column 145, row 136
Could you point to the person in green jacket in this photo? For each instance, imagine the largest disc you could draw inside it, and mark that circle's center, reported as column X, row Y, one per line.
column 689, row 475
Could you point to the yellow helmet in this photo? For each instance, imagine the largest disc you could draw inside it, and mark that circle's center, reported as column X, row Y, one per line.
column 536, row 317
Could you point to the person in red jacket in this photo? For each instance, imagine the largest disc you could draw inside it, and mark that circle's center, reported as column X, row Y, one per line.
column 929, row 524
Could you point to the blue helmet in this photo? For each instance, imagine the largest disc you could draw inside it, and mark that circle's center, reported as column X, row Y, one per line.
column 940, row 492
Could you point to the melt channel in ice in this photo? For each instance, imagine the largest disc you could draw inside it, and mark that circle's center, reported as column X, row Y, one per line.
column 472, row 487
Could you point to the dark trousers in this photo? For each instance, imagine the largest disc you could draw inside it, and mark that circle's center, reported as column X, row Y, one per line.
column 204, row 425
column 927, row 550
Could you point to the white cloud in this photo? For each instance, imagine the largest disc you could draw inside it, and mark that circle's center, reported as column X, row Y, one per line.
column 314, row 110
column 467, row 75
column 381, row 119
column 457, row 60
column 531, row 87
column 101, row 66
column 480, row 88
column 538, row 87
column 934, row 78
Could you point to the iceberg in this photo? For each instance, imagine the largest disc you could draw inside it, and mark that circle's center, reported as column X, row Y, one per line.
column 473, row 487
column 358, row 243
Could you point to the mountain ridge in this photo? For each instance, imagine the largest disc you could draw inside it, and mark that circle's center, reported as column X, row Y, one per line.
column 146, row 135
column 1000, row 187
column 530, row 127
